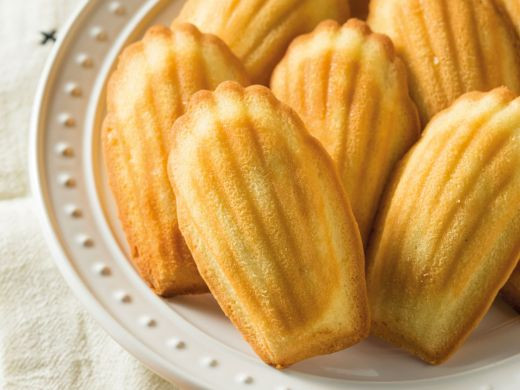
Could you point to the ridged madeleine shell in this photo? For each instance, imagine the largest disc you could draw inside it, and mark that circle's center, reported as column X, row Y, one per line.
column 448, row 235
column 351, row 92
column 269, row 224
column 449, row 47
column 149, row 89
column 259, row 31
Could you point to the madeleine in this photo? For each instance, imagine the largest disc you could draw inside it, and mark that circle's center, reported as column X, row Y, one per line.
column 350, row 89
column 259, row 31
column 448, row 235
column 269, row 225
column 150, row 88
column 449, row 47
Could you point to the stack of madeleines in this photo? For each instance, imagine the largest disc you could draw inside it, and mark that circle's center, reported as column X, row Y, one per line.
column 374, row 188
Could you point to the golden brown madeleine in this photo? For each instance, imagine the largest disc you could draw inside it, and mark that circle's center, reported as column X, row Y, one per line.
column 448, row 234
column 511, row 290
column 149, row 89
column 259, row 31
column 351, row 92
column 264, row 213
column 449, row 47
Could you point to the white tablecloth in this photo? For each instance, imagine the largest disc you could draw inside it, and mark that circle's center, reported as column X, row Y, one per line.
column 47, row 339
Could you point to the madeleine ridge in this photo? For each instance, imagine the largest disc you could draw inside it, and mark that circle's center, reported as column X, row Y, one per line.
column 351, row 92
column 448, row 234
column 150, row 88
column 449, row 47
column 269, row 225
column 259, row 31
column 510, row 10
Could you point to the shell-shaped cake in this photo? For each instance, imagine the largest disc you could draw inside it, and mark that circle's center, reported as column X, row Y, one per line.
column 150, row 88
column 269, row 225
column 259, row 31
column 511, row 290
column 448, row 234
column 351, row 92
column 449, row 47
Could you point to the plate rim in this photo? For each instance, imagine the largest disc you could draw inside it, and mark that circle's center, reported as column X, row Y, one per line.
column 46, row 221
column 156, row 363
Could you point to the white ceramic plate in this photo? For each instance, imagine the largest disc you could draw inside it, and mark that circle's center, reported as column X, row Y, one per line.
column 188, row 340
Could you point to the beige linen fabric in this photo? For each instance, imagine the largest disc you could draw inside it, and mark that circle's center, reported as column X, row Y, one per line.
column 47, row 339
